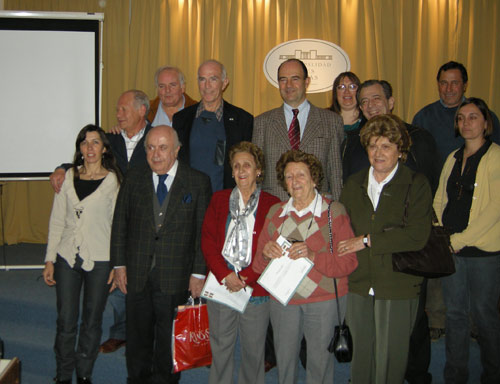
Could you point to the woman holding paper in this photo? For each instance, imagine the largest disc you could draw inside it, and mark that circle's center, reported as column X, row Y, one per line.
column 232, row 224
column 303, row 222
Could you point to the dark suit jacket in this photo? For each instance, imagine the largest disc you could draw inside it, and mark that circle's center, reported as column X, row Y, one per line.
column 322, row 137
column 176, row 246
column 238, row 125
column 119, row 149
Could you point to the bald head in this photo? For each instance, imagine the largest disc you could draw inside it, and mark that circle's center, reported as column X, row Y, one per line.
column 162, row 147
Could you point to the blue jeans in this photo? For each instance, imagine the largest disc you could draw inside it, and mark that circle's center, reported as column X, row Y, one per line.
column 472, row 291
column 69, row 283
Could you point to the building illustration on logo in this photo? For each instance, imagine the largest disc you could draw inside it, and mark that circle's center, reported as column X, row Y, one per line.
column 306, row 55
column 324, row 61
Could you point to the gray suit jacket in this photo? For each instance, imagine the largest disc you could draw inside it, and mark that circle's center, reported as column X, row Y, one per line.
column 322, row 137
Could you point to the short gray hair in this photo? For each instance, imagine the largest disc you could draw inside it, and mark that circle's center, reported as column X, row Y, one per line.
column 222, row 68
column 140, row 98
column 182, row 80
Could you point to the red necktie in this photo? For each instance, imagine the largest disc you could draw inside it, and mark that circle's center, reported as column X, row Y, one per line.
column 294, row 131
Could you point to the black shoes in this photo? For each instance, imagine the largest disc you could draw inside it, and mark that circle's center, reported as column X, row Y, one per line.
column 80, row 380
column 84, row 380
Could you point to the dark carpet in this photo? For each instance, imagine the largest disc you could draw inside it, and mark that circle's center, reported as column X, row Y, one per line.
column 27, row 327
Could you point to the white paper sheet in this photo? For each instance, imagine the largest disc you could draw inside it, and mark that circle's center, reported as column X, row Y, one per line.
column 282, row 276
column 212, row 290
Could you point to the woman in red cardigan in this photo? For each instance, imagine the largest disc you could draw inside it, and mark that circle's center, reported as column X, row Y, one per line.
column 232, row 225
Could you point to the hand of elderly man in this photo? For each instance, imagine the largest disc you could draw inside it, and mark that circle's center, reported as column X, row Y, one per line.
column 115, row 129
column 57, row 178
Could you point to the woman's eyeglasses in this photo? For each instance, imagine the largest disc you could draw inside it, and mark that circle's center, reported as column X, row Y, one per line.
column 343, row 87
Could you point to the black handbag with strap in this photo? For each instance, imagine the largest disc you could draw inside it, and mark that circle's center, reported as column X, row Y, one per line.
column 435, row 259
column 341, row 343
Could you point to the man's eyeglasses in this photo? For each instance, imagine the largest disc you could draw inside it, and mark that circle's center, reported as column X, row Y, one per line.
column 343, row 87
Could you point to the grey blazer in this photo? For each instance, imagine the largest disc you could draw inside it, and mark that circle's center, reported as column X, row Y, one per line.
column 322, row 137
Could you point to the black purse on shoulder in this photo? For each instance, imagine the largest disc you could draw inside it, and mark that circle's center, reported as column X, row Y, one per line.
column 434, row 260
column 341, row 343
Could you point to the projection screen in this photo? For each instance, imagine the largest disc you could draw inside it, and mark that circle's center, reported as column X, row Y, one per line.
column 49, row 88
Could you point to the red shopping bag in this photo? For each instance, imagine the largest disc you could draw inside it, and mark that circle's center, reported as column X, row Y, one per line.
column 190, row 337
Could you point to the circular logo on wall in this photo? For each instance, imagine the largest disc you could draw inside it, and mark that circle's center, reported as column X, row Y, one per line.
column 323, row 59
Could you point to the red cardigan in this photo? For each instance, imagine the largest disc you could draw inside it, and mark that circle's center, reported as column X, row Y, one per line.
column 213, row 236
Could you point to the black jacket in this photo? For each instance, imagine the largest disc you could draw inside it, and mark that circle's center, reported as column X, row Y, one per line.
column 238, row 125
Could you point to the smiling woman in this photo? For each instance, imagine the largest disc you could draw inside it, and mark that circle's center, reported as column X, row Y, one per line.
column 303, row 220
column 381, row 302
column 233, row 222
column 77, row 259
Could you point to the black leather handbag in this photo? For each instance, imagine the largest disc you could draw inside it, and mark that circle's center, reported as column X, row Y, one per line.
column 341, row 343
column 434, row 260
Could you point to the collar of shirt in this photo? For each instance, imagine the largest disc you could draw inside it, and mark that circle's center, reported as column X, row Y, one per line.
column 131, row 143
column 375, row 188
column 314, row 207
column 218, row 111
column 444, row 105
column 161, row 118
column 459, row 155
column 170, row 179
column 302, row 116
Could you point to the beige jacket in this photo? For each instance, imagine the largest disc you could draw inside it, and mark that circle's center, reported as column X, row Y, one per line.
column 82, row 227
column 483, row 229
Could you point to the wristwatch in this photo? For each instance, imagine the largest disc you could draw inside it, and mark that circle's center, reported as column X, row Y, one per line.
column 365, row 241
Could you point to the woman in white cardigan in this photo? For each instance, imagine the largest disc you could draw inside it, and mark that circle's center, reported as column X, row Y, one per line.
column 78, row 253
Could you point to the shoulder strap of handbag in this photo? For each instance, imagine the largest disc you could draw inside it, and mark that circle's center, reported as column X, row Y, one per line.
column 331, row 251
column 407, row 203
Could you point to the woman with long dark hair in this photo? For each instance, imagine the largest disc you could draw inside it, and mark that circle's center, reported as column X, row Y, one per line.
column 78, row 253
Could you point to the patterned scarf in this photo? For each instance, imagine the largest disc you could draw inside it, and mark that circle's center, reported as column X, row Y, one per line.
column 236, row 247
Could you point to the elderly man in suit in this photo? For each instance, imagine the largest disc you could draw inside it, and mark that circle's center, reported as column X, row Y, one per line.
column 298, row 124
column 211, row 127
column 156, row 252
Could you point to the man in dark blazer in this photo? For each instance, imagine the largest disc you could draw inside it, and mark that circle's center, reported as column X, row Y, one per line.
column 321, row 131
column 131, row 111
column 156, row 252
column 208, row 129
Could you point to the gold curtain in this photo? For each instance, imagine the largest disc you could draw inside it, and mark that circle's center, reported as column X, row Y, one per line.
column 403, row 42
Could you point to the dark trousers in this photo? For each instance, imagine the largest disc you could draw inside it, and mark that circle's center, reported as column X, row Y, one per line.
column 149, row 335
column 69, row 282
column 118, row 329
column 419, row 355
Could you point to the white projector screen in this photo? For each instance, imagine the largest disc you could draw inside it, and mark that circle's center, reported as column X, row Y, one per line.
column 49, row 90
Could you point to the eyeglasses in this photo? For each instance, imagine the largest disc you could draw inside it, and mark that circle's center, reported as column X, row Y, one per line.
column 342, row 87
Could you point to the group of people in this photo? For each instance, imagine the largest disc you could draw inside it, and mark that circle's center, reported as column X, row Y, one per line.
column 209, row 189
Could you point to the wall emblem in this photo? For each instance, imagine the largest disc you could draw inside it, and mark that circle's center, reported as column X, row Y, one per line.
column 324, row 61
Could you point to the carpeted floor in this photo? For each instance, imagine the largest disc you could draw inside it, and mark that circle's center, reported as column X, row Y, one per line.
column 27, row 327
